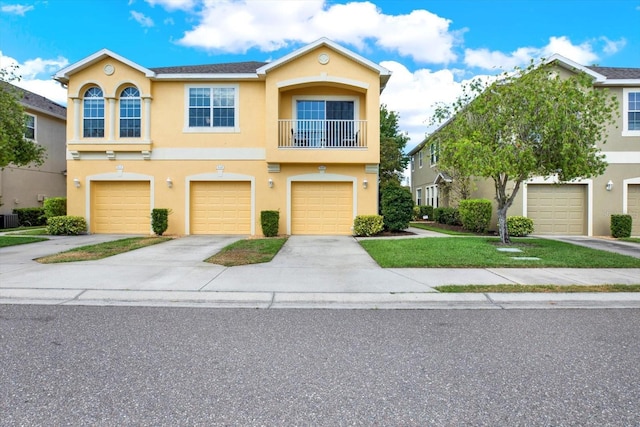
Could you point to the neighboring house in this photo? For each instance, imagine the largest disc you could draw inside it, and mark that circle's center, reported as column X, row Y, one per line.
column 28, row 186
column 582, row 207
column 218, row 144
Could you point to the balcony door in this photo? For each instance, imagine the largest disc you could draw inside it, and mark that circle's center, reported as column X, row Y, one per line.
column 325, row 123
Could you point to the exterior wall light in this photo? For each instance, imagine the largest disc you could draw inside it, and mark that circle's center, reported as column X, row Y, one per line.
column 270, row 183
column 609, row 186
column 169, row 183
column 76, row 182
column 365, row 183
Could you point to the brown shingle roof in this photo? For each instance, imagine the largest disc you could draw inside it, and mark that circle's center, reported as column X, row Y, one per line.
column 40, row 103
column 617, row 73
column 228, row 68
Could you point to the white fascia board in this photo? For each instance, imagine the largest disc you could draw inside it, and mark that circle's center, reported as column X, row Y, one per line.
column 572, row 65
column 324, row 42
column 63, row 75
column 207, row 76
column 621, row 82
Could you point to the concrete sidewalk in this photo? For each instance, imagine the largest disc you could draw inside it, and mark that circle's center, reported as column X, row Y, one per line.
column 309, row 271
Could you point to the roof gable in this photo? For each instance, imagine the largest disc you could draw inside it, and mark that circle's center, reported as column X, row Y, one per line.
column 64, row 74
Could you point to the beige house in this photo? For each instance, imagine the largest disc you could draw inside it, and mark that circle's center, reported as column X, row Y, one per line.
column 217, row 144
column 28, row 186
column 583, row 207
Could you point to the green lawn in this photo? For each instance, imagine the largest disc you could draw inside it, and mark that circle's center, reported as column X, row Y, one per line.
column 430, row 227
column 102, row 250
column 536, row 288
column 250, row 251
column 18, row 240
column 481, row 252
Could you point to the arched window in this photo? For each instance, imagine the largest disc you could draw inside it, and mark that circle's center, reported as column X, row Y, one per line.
column 130, row 113
column 93, row 113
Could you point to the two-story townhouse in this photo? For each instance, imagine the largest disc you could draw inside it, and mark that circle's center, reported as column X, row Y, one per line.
column 583, row 206
column 28, row 186
column 218, row 144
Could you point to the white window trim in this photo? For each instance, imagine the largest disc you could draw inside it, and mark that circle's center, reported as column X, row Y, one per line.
column 419, row 196
column 433, row 156
column 355, row 99
column 413, row 163
column 625, row 112
column 420, row 159
column 138, row 98
column 35, row 128
column 211, row 129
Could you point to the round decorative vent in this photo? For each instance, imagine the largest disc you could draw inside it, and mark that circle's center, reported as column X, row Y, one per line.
column 109, row 69
column 323, row 58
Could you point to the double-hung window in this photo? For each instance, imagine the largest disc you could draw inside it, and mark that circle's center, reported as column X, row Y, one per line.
column 631, row 112
column 93, row 109
column 30, row 127
column 418, row 196
column 433, row 153
column 130, row 113
column 212, row 108
column 420, row 155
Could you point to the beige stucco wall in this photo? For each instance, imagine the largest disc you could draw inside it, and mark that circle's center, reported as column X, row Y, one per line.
column 21, row 186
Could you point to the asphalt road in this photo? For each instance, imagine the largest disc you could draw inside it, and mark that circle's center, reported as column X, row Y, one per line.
column 109, row 366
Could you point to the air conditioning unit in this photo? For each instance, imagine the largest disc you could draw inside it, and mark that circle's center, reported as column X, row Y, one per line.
column 41, row 197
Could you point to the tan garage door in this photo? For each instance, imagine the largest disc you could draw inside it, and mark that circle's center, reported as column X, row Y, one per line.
column 120, row 207
column 220, row 207
column 321, row 207
column 633, row 208
column 558, row 209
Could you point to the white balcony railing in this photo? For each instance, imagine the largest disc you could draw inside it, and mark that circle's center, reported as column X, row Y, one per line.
column 322, row 134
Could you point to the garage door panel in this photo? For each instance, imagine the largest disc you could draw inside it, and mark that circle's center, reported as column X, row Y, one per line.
column 121, row 207
column 557, row 209
column 220, row 207
column 321, row 207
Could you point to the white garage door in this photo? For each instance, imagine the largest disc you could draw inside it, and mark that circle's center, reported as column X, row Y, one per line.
column 558, row 209
column 220, row 207
column 633, row 208
column 321, row 207
column 120, row 207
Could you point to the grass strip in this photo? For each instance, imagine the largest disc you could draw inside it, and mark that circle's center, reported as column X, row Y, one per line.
column 33, row 232
column 250, row 251
column 102, row 250
column 18, row 240
column 630, row 239
column 481, row 252
column 536, row 288
column 429, row 227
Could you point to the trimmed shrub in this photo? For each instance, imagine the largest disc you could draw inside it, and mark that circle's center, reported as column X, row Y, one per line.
column 159, row 220
column 621, row 226
column 519, row 226
column 55, row 206
column 270, row 221
column 419, row 212
column 397, row 207
column 475, row 214
column 368, row 225
column 447, row 216
column 66, row 225
column 30, row 216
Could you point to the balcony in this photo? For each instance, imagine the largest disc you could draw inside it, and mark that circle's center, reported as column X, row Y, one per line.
column 320, row 134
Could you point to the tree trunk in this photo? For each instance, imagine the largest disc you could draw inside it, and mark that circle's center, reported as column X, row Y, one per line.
column 502, row 225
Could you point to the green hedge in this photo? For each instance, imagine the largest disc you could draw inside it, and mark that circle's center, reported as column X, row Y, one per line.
column 55, row 206
column 270, row 220
column 475, row 214
column 368, row 225
column 419, row 212
column 448, row 216
column 397, row 207
column 30, row 216
column 519, row 226
column 621, row 226
column 159, row 220
column 67, row 225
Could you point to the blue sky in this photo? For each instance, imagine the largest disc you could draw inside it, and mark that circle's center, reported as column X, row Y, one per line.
column 431, row 46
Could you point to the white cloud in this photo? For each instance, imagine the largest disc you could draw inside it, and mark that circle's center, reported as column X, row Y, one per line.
column 174, row 4
column 612, row 46
column 36, row 76
column 142, row 19
column 483, row 58
column 16, row 9
column 237, row 25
